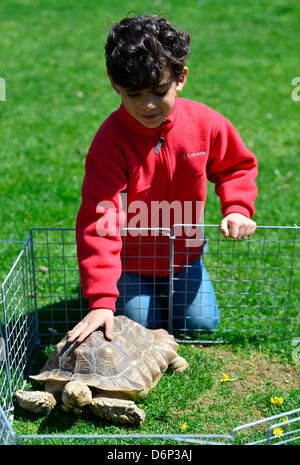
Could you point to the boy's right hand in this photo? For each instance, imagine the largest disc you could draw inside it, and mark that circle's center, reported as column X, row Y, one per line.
column 92, row 321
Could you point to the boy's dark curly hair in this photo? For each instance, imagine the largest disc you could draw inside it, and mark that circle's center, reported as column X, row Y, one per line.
column 140, row 49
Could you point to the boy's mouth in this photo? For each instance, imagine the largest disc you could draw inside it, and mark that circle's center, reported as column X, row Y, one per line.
column 151, row 117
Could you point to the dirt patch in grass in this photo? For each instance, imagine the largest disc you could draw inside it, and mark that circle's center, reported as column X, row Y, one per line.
column 245, row 397
column 254, row 373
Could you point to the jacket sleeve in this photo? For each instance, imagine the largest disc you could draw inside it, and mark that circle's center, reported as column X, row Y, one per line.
column 98, row 223
column 232, row 167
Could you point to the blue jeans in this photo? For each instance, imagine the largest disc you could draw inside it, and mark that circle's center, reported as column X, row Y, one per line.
column 145, row 299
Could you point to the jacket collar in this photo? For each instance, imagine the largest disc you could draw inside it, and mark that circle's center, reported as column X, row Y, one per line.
column 137, row 127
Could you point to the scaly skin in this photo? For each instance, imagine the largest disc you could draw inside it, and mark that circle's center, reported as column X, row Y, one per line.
column 120, row 410
column 35, row 401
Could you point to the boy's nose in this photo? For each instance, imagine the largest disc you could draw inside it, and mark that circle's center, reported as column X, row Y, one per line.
column 148, row 104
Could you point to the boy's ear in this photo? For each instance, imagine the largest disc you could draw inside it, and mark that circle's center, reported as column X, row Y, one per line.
column 182, row 79
column 114, row 85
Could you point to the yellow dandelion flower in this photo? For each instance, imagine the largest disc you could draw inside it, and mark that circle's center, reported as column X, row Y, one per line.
column 278, row 431
column 225, row 377
column 184, row 426
column 286, row 421
column 276, row 401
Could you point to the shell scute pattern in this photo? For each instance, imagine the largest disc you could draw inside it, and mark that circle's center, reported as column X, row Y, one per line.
column 135, row 358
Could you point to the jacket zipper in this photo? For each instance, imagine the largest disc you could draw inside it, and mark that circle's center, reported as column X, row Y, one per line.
column 165, row 156
column 159, row 146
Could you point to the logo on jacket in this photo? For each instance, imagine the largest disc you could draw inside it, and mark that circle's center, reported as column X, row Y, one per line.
column 194, row 154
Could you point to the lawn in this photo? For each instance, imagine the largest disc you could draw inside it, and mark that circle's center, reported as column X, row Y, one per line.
column 244, row 56
column 194, row 402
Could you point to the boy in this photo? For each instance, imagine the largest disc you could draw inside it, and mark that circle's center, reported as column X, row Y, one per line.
column 155, row 147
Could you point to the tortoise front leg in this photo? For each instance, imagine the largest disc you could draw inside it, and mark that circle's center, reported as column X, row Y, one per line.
column 121, row 410
column 35, row 401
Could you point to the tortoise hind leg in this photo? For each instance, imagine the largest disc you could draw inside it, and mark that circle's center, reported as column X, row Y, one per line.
column 120, row 410
column 35, row 401
column 179, row 364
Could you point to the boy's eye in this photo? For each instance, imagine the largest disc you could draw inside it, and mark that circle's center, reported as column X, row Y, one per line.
column 160, row 94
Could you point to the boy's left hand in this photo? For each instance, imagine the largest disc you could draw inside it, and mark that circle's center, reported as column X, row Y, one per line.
column 237, row 226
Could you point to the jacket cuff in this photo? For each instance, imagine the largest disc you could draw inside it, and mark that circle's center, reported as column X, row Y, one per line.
column 237, row 209
column 102, row 302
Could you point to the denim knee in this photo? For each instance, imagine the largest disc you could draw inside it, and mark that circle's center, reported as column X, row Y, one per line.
column 193, row 321
column 208, row 323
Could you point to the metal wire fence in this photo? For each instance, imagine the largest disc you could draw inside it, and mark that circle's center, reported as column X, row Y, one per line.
column 255, row 284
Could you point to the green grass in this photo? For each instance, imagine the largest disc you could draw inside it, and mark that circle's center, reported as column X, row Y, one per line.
column 196, row 398
column 243, row 59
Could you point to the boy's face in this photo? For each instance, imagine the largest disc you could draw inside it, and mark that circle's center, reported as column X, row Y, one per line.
column 151, row 107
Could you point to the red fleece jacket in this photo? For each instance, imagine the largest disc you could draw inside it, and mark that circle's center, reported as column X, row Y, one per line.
column 196, row 144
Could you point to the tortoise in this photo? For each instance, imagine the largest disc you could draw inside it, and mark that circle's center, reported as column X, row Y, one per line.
column 107, row 376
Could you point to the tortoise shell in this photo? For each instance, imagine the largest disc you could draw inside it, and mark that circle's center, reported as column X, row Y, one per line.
column 133, row 361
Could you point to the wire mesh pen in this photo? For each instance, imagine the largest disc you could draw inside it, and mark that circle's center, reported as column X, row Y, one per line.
column 256, row 284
